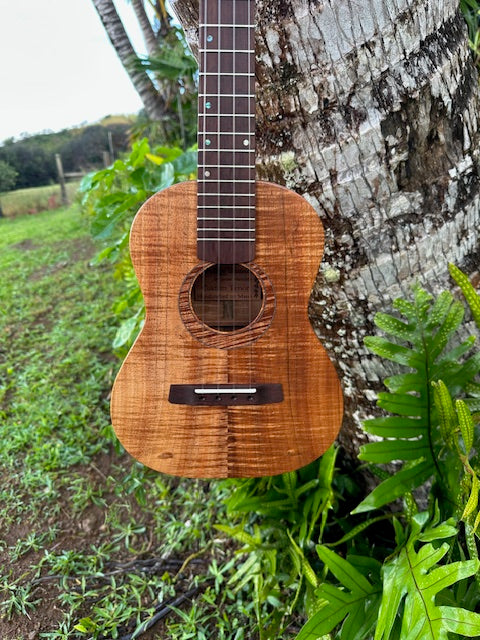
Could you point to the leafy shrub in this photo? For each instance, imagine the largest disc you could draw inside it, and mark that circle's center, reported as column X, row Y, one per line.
column 417, row 576
column 112, row 197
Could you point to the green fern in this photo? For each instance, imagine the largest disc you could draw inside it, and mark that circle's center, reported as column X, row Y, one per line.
column 471, row 296
column 356, row 602
column 412, row 583
column 413, row 435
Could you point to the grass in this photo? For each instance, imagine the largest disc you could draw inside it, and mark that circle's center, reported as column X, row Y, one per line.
column 35, row 199
column 92, row 544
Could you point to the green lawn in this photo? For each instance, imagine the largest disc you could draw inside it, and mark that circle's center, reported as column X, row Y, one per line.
column 91, row 543
column 35, row 199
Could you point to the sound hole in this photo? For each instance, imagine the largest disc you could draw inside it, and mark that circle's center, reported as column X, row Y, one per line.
column 227, row 297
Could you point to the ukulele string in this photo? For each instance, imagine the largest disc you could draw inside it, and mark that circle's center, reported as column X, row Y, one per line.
column 250, row 173
column 235, row 159
column 205, row 174
column 219, row 172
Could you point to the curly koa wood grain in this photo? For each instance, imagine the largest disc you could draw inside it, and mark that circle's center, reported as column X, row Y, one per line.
column 227, row 441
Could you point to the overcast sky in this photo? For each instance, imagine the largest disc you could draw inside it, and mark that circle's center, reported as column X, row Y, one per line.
column 57, row 66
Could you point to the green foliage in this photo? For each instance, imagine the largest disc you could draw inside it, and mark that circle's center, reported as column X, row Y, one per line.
column 8, row 176
column 415, row 587
column 284, row 517
column 111, row 197
column 175, row 71
column 413, row 577
column 471, row 11
column 33, row 157
column 414, row 434
column 471, row 296
column 355, row 602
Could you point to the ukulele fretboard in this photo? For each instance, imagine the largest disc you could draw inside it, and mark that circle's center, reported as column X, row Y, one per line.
column 226, row 132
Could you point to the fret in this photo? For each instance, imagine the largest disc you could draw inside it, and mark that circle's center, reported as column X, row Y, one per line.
column 223, row 73
column 224, row 115
column 226, row 138
column 210, row 150
column 234, row 26
column 224, row 166
column 209, row 50
column 225, row 208
column 227, row 95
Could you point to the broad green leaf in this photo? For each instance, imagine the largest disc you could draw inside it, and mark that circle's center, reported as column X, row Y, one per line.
column 394, row 352
column 411, row 577
column 393, row 326
column 395, row 426
column 391, row 450
column 403, row 404
column 397, row 485
column 357, row 607
column 405, row 382
column 125, row 332
column 343, row 571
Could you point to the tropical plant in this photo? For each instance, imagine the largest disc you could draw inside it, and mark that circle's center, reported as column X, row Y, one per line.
column 415, row 587
column 111, row 197
column 397, row 573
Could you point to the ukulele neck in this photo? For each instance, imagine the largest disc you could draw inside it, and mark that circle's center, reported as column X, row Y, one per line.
column 226, row 132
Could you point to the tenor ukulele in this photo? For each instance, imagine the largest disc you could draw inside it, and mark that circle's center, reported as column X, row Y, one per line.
column 227, row 378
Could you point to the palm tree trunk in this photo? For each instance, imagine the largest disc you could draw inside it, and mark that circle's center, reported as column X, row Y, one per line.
column 145, row 25
column 370, row 110
column 152, row 101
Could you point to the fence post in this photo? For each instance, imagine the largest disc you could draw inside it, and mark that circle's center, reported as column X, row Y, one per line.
column 110, row 146
column 61, row 178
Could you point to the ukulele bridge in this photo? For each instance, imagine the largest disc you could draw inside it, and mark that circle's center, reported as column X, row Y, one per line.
column 221, row 395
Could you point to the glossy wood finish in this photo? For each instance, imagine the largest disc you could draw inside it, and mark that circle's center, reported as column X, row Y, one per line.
column 235, row 440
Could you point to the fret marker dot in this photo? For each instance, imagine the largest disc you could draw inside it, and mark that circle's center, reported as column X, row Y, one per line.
column 209, row 38
column 207, row 174
column 208, row 105
column 246, row 143
column 208, row 142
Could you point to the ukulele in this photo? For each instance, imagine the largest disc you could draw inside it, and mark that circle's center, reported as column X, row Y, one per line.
column 227, row 378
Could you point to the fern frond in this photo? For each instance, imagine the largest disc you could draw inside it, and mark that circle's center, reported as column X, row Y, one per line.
column 471, row 296
column 356, row 603
column 413, row 577
column 420, row 343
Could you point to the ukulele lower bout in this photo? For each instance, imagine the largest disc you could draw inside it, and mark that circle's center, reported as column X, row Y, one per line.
column 200, row 393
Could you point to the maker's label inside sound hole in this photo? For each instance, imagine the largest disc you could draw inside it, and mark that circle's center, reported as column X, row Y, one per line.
column 227, row 297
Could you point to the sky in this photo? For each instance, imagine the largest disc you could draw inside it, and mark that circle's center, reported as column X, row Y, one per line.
column 58, row 68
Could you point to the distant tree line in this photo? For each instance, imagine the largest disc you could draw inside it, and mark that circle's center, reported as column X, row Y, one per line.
column 30, row 162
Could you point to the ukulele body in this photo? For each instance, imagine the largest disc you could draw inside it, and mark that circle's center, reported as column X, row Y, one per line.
column 174, row 347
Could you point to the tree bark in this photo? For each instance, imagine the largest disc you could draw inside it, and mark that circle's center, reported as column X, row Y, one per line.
column 154, row 104
column 369, row 109
column 145, row 25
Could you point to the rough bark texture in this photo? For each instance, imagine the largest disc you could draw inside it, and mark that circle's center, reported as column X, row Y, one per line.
column 369, row 109
column 152, row 101
column 145, row 25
